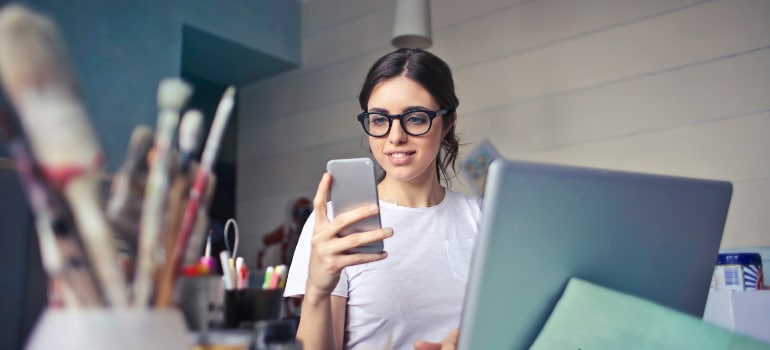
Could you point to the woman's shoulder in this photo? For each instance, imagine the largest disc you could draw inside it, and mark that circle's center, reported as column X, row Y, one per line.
column 458, row 198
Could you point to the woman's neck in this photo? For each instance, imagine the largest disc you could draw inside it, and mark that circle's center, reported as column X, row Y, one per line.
column 422, row 194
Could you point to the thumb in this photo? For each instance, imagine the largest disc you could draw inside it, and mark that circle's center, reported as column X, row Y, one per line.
column 424, row 345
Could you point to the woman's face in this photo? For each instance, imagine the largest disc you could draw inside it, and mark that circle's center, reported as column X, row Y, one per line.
column 402, row 156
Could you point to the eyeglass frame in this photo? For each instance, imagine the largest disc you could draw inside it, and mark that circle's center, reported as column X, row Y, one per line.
column 431, row 115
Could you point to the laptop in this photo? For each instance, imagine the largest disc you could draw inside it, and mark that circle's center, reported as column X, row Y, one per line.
column 652, row 236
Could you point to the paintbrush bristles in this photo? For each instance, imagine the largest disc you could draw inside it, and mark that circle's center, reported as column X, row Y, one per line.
column 190, row 130
column 221, row 117
column 31, row 52
column 173, row 93
column 40, row 83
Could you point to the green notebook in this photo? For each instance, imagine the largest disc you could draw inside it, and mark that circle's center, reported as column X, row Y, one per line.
column 590, row 317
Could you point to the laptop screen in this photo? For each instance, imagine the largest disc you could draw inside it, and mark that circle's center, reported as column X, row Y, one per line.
column 652, row 236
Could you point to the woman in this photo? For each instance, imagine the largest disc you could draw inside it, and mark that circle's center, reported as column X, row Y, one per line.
column 415, row 289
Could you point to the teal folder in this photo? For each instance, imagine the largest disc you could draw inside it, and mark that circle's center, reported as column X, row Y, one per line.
column 591, row 317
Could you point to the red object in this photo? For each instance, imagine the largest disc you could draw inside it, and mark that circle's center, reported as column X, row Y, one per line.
column 188, row 220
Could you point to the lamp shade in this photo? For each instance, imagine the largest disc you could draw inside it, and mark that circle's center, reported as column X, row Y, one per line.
column 411, row 27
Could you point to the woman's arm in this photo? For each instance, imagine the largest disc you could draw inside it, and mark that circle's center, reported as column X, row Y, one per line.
column 322, row 318
column 322, row 324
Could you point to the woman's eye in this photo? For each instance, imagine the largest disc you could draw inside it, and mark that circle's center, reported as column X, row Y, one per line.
column 417, row 119
column 378, row 121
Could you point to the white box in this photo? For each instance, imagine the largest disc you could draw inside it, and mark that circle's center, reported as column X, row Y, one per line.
column 745, row 312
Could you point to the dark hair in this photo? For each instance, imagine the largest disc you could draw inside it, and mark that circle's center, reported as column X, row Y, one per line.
column 435, row 76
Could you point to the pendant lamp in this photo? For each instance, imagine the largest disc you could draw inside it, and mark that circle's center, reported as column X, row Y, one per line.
column 411, row 27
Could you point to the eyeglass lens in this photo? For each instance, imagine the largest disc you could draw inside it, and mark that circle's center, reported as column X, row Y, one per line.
column 414, row 123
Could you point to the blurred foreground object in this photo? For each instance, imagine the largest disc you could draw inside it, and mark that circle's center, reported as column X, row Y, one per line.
column 38, row 79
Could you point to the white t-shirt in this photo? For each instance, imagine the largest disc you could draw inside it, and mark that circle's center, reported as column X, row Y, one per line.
column 416, row 293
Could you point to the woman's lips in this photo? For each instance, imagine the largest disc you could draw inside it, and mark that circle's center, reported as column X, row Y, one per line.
column 400, row 158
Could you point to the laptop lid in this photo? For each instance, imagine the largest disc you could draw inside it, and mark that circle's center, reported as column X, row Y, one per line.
column 652, row 236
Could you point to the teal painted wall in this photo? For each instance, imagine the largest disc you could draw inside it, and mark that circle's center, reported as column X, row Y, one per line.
column 122, row 49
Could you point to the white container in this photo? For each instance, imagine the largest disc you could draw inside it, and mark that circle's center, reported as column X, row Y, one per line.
column 110, row 329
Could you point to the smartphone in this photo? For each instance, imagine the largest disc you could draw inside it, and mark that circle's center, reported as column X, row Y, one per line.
column 353, row 186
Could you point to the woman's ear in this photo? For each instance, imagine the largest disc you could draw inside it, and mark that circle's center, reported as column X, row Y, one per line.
column 451, row 121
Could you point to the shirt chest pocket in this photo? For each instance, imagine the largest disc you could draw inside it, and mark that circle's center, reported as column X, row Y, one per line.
column 459, row 253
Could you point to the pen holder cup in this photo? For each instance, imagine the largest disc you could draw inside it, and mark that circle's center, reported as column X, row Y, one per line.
column 109, row 329
column 244, row 307
column 201, row 299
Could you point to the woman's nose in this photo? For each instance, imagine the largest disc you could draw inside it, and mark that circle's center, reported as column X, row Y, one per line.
column 397, row 134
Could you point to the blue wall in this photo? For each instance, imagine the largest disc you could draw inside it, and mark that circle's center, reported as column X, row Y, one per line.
column 122, row 49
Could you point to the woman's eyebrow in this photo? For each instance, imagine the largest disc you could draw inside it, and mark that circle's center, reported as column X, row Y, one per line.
column 409, row 108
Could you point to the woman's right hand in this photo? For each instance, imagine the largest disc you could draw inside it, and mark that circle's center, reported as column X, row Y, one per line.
column 327, row 255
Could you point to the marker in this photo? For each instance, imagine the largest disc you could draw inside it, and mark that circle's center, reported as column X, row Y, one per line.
column 224, row 258
column 206, row 259
column 268, row 275
column 245, row 276
column 242, row 273
column 275, row 278
column 284, row 273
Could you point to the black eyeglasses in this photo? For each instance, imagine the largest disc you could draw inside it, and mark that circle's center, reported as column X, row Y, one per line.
column 416, row 122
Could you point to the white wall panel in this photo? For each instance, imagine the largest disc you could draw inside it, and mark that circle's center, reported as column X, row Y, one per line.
column 285, row 172
column 696, row 93
column 322, row 15
column 337, row 121
column 747, row 222
column 657, row 44
column 535, row 24
column 306, row 92
column 733, row 149
column 362, row 35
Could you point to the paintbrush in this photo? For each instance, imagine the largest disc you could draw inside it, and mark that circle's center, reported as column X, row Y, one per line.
column 127, row 195
column 60, row 251
column 189, row 136
column 172, row 95
column 199, row 187
column 38, row 80
column 190, row 130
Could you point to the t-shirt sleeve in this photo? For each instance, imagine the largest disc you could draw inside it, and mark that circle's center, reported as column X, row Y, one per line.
column 300, row 263
column 295, row 282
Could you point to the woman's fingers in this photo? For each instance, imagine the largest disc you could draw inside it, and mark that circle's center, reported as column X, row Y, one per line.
column 343, row 244
column 343, row 220
column 355, row 259
column 449, row 342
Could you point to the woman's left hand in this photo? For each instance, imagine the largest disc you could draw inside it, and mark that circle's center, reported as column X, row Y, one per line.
column 449, row 343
